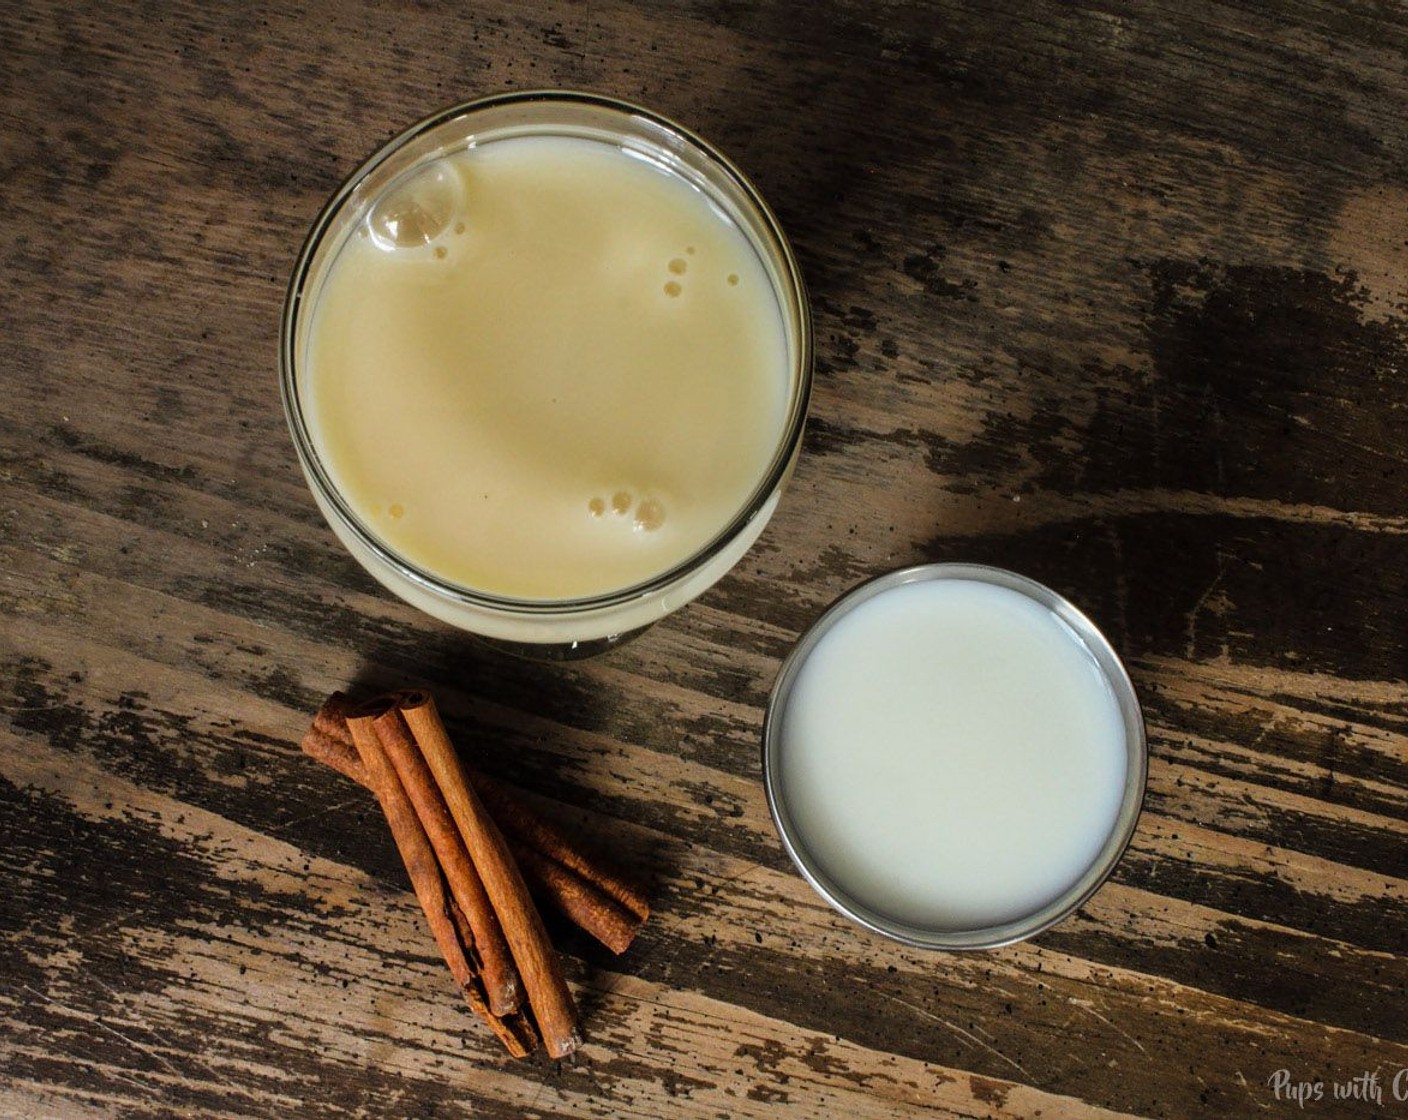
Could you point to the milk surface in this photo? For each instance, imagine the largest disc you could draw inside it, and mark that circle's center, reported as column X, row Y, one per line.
column 546, row 369
column 952, row 755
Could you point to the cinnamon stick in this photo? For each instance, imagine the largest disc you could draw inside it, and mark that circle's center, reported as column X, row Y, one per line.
column 428, row 883
column 514, row 1030
column 586, row 892
column 329, row 741
column 331, row 718
column 599, row 914
column 548, row 997
column 517, row 820
column 496, row 967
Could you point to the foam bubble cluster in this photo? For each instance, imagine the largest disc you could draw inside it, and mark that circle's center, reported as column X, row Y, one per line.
column 646, row 515
column 677, row 266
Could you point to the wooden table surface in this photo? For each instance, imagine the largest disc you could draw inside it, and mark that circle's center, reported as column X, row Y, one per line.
column 1113, row 295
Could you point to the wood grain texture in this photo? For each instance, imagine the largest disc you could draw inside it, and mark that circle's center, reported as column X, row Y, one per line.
column 1115, row 295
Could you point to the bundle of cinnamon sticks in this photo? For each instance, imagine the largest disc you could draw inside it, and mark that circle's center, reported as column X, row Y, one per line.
column 473, row 851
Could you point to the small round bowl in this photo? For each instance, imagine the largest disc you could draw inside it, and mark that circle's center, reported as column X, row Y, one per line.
column 557, row 627
column 1025, row 925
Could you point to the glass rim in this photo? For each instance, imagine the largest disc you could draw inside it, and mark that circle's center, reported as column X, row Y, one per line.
column 792, row 303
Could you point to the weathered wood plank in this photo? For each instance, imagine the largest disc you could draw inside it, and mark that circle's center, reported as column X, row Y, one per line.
column 689, row 896
column 325, row 930
column 305, row 925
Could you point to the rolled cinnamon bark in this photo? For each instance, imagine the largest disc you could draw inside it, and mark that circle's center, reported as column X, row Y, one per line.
column 584, row 890
column 520, row 822
column 548, row 998
column 329, row 741
column 491, row 951
column 599, row 914
column 429, row 884
column 515, row 1030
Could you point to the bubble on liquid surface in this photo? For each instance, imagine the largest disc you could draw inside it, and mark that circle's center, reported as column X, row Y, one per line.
column 621, row 502
column 414, row 213
column 596, row 507
column 650, row 515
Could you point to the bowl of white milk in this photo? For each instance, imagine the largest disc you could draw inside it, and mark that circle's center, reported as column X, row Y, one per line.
column 954, row 756
column 546, row 359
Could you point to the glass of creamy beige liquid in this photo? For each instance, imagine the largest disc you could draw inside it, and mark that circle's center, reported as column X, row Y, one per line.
column 546, row 360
